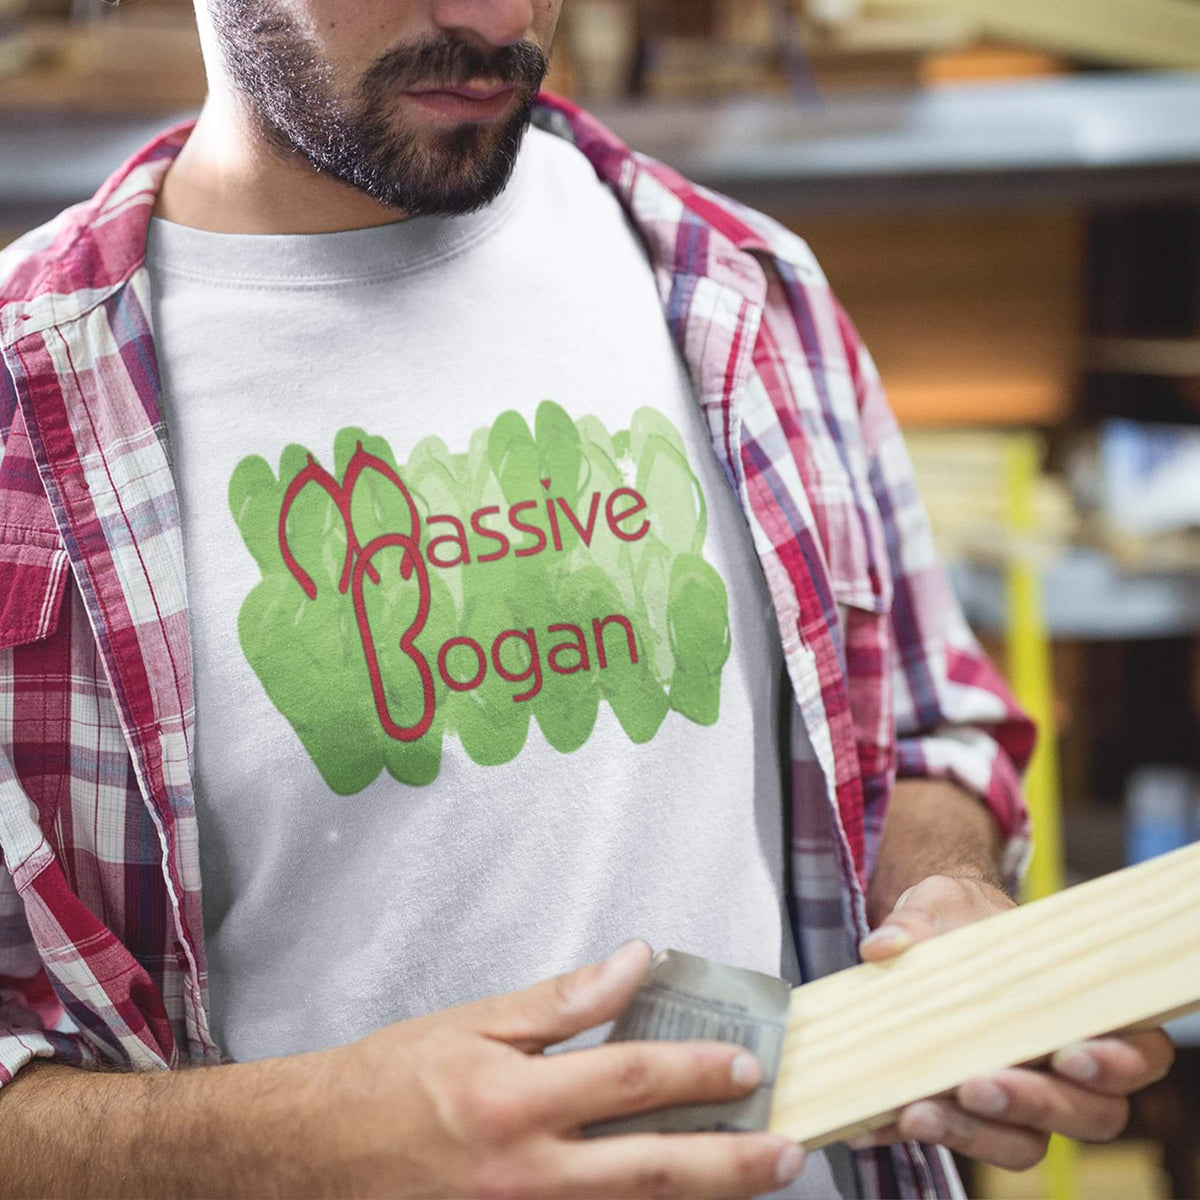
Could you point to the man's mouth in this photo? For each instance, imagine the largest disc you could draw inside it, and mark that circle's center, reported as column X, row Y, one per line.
column 465, row 103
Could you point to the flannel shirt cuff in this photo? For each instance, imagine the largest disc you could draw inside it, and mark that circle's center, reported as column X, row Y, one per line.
column 974, row 761
column 20, row 1046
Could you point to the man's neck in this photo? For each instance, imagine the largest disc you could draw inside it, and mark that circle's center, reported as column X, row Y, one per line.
column 229, row 179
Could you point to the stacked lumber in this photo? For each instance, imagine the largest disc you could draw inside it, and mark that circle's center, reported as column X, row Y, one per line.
column 1136, row 33
column 710, row 48
column 707, row 49
column 963, row 476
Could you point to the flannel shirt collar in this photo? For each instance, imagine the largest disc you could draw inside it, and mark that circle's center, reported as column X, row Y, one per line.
column 100, row 245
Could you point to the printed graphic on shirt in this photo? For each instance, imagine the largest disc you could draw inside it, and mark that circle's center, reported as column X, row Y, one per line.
column 533, row 577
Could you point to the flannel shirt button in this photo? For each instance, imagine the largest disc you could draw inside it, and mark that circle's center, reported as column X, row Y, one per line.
column 180, row 957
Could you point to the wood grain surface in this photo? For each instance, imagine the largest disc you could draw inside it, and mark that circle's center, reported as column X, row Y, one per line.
column 1116, row 952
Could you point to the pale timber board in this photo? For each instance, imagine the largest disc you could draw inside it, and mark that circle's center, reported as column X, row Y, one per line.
column 1118, row 951
column 1149, row 33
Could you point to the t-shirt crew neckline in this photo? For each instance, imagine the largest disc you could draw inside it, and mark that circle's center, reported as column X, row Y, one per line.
column 348, row 257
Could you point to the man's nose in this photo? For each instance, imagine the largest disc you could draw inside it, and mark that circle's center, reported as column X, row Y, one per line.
column 494, row 22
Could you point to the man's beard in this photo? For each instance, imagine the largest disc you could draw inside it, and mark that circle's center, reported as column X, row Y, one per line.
column 358, row 139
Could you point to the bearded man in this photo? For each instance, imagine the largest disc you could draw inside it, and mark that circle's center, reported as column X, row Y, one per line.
column 464, row 546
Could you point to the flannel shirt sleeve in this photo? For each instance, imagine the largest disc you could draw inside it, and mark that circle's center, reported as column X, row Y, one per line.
column 955, row 717
column 32, row 1024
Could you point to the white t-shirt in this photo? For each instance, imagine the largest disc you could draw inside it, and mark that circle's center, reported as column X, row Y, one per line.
column 487, row 675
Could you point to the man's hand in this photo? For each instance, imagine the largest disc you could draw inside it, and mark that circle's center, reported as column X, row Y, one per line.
column 457, row 1103
column 464, row 1103
column 1007, row 1119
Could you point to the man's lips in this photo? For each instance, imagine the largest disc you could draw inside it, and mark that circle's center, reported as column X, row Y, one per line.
column 471, row 93
column 465, row 103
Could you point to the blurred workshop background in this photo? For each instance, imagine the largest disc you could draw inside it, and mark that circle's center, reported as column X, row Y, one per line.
column 1006, row 196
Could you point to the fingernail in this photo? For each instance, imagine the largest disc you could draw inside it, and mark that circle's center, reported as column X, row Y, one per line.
column 926, row 1123
column 789, row 1166
column 746, row 1071
column 983, row 1097
column 891, row 936
column 903, row 899
column 622, row 955
column 1076, row 1063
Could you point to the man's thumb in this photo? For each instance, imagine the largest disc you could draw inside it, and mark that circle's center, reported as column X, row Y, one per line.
column 899, row 929
column 555, row 1009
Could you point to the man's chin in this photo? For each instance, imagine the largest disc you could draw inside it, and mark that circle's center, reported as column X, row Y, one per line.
column 428, row 168
column 465, row 168
column 449, row 192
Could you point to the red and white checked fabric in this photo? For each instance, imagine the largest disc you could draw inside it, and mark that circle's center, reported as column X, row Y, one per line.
column 101, row 936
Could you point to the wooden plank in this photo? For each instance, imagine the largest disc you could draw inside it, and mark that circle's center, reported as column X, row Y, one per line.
column 1162, row 33
column 1106, row 955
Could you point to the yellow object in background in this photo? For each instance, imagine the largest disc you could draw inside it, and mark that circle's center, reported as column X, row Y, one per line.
column 1128, row 1171
column 1030, row 669
column 1031, row 675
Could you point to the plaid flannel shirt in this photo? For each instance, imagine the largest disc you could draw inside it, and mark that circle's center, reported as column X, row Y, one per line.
column 101, row 937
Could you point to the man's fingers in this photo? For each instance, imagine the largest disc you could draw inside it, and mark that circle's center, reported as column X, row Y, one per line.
column 945, row 1123
column 1117, row 1066
column 680, row 1164
column 556, row 1009
column 1007, row 1118
column 583, row 1086
column 1036, row 1100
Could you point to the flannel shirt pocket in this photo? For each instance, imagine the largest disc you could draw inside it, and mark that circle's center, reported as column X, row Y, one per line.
column 858, row 577
column 852, row 535
column 846, row 508
column 861, row 582
column 33, row 580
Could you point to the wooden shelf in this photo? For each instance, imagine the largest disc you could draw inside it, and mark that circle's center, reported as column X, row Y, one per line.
column 1172, row 358
column 110, row 67
column 972, row 318
column 1120, row 137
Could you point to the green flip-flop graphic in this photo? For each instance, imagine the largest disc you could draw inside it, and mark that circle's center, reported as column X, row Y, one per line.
column 532, row 577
